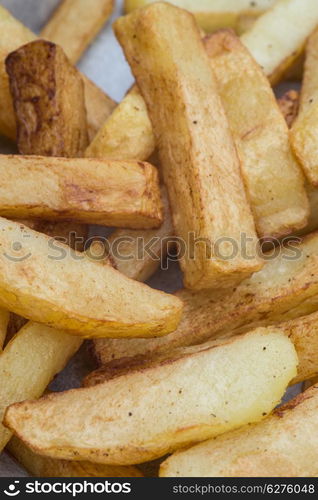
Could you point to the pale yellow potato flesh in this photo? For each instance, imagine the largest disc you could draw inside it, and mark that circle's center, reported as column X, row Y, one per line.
column 40, row 466
column 49, row 101
column 28, row 364
column 215, row 14
column 197, row 154
column 279, row 203
column 283, row 287
column 13, row 35
column 186, row 396
column 39, row 281
column 75, row 24
column 283, row 445
column 110, row 193
column 304, row 131
column 278, row 36
column 138, row 254
column 127, row 134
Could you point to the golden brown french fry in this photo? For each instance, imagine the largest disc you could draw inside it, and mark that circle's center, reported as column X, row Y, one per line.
column 283, row 445
column 279, row 204
column 4, row 322
column 277, row 38
column 39, row 280
column 40, row 466
column 288, row 104
column 14, row 34
column 75, row 24
column 138, row 254
column 215, row 14
column 288, row 284
column 304, row 131
column 49, row 102
column 185, row 411
column 197, row 167
column 28, row 364
column 127, row 134
column 113, row 193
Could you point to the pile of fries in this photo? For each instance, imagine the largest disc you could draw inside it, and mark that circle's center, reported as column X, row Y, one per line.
column 200, row 155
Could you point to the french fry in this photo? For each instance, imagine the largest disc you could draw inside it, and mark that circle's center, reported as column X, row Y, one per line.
column 197, row 167
column 283, row 445
column 14, row 34
column 279, row 204
column 28, row 364
column 288, row 104
column 40, row 282
column 215, row 14
column 119, row 194
column 127, row 134
column 138, row 254
column 75, row 24
column 286, row 288
column 4, row 322
column 278, row 37
column 304, row 131
column 49, row 101
column 40, row 466
column 185, row 411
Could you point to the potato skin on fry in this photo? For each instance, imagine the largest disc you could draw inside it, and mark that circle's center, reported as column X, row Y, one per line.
column 288, row 104
column 286, row 288
column 39, row 281
column 283, row 445
column 40, row 466
column 117, row 430
column 111, row 193
column 49, row 101
column 199, row 160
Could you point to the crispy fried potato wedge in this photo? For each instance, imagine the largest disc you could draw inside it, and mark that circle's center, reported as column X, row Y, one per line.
column 4, row 322
column 49, row 101
column 215, row 14
column 197, row 167
column 13, row 35
column 39, row 280
column 40, row 466
column 138, row 254
column 28, row 364
column 304, row 131
column 278, row 37
column 283, row 445
column 279, row 204
column 120, row 194
column 288, row 104
column 116, row 430
column 71, row 233
column 75, row 24
column 288, row 283
column 127, row 134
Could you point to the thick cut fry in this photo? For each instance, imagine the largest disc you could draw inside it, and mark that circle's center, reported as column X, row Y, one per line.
column 278, row 37
column 39, row 280
column 75, row 24
column 215, row 14
column 138, row 254
column 72, row 234
column 197, row 154
column 279, row 203
column 113, row 193
column 304, row 132
column 283, row 445
column 40, row 466
column 185, row 411
column 289, row 106
column 288, row 284
column 29, row 363
column 13, row 35
column 49, row 101
column 4, row 322
column 127, row 134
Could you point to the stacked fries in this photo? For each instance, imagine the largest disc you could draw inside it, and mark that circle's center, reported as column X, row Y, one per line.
column 201, row 156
